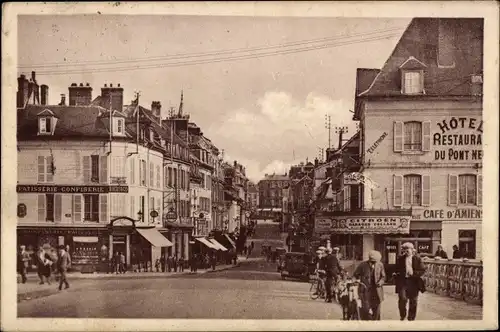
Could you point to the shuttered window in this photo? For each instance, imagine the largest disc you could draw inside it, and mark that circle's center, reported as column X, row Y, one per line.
column 412, row 136
column 467, row 189
column 398, row 136
column 103, row 169
column 57, row 207
column 347, row 198
column 398, row 190
column 412, row 189
column 77, row 208
column 452, row 190
column 426, row 190
column 151, row 174
column 158, row 177
column 133, row 211
column 426, row 136
column 131, row 170
column 86, row 169
column 165, row 176
column 103, row 208
column 41, row 208
column 479, row 190
column 91, row 208
column 45, row 169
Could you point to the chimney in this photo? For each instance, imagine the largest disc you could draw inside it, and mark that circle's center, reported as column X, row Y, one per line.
column 44, row 98
column 22, row 90
column 235, row 163
column 112, row 97
column 33, row 76
column 316, row 162
column 80, row 95
column 63, row 100
column 156, row 110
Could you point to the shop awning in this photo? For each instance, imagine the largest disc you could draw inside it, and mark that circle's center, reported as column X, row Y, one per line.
column 230, row 240
column 207, row 243
column 154, row 237
column 218, row 245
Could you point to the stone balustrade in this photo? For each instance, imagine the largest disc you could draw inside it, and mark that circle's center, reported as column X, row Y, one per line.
column 460, row 279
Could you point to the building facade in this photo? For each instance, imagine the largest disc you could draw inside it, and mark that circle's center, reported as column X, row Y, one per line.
column 428, row 158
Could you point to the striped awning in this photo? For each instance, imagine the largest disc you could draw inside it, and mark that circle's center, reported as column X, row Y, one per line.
column 207, row 243
column 218, row 245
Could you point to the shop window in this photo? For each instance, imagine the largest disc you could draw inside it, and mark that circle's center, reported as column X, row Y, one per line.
column 467, row 243
column 95, row 169
column 91, row 208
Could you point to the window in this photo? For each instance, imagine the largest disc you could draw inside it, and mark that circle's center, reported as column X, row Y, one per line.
column 412, row 190
column 131, row 171
column 45, row 125
column 142, row 172
column 170, row 176
column 142, row 202
column 95, row 169
column 412, row 136
column 151, row 174
column 118, row 205
column 175, row 177
column 50, row 207
column 467, row 243
column 45, row 169
column 77, row 208
column 413, row 82
column 118, row 126
column 118, row 167
column 158, row 177
column 133, row 211
column 465, row 189
column 91, row 207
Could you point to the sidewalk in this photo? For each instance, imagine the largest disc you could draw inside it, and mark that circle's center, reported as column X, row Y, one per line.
column 31, row 289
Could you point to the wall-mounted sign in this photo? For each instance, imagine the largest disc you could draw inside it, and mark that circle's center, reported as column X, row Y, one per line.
column 448, row 214
column 362, row 225
column 40, row 189
column 59, row 231
column 21, row 210
column 458, row 139
column 372, row 148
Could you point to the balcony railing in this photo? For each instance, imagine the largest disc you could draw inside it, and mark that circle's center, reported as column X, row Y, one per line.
column 455, row 278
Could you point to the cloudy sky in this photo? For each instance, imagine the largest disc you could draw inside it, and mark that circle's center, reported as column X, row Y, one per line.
column 259, row 87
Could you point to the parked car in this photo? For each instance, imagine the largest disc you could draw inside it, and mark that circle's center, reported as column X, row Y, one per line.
column 296, row 265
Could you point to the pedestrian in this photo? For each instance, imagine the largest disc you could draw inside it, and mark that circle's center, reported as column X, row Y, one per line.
column 44, row 265
column 22, row 263
column 162, row 262
column 408, row 277
column 181, row 264
column 122, row 263
column 331, row 273
column 169, row 263
column 157, row 265
column 175, row 262
column 440, row 252
column 252, row 245
column 195, row 263
column 457, row 254
column 213, row 261
column 372, row 274
column 63, row 263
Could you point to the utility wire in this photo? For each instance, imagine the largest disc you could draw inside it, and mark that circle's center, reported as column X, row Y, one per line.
column 210, row 61
column 201, row 54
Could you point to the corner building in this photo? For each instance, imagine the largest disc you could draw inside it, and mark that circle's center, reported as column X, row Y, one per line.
column 421, row 137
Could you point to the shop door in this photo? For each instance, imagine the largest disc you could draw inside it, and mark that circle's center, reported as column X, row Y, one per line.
column 119, row 246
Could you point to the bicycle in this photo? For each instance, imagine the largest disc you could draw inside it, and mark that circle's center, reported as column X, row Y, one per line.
column 350, row 300
column 318, row 288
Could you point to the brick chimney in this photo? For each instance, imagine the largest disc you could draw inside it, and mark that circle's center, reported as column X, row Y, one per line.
column 22, row 90
column 44, row 97
column 63, row 100
column 112, row 96
column 156, row 110
column 80, row 95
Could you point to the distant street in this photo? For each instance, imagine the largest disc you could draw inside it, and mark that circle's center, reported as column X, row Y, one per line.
column 252, row 291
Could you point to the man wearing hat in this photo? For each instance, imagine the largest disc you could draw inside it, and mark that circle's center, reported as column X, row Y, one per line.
column 22, row 263
column 408, row 277
column 372, row 274
column 63, row 263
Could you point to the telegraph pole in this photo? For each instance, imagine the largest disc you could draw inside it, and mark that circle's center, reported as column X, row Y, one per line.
column 341, row 131
column 328, row 126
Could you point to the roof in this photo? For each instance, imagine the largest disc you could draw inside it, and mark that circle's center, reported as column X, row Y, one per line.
column 419, row 46
column 73, row 121
column 275, row 177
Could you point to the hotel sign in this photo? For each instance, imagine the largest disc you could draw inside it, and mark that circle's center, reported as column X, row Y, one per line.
column 458, row 139
column 41, row 189
column 362, row 225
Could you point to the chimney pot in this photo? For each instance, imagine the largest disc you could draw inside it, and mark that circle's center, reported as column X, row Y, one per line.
column 87, row 84
column 81, row 84
column 118, row 84
column 105, row 85
column 110, row 85
column 33, row 75
column 73, row 84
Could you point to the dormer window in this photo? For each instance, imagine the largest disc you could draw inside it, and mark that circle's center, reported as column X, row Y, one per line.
column 413, row 82
column 119, row 126
column 46, row 122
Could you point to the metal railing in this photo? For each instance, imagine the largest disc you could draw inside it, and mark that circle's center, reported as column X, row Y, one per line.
column 459, row 279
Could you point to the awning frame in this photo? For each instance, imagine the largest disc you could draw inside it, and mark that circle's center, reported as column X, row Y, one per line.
column 206, row 242
column 153, row 236
column 218, row 245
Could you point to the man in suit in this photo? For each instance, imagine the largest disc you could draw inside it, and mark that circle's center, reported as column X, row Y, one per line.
column 63, row 263
column 372, row 274
column 332, row 272
column 22, row 263
column 409, row 270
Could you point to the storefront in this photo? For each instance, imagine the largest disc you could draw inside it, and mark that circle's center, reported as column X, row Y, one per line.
column 88, row 246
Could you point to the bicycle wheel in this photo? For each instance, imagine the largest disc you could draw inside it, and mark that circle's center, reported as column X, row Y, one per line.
column 314, row 291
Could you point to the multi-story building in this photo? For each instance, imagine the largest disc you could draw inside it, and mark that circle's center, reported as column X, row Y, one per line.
column 271, row 195
column 82, row 182
column 420, row 144
column 219, row 213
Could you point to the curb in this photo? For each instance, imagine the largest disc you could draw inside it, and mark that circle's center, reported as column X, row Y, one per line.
column 51, row 291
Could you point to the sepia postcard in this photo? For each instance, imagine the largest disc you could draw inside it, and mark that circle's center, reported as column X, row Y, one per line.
column 250, row 166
